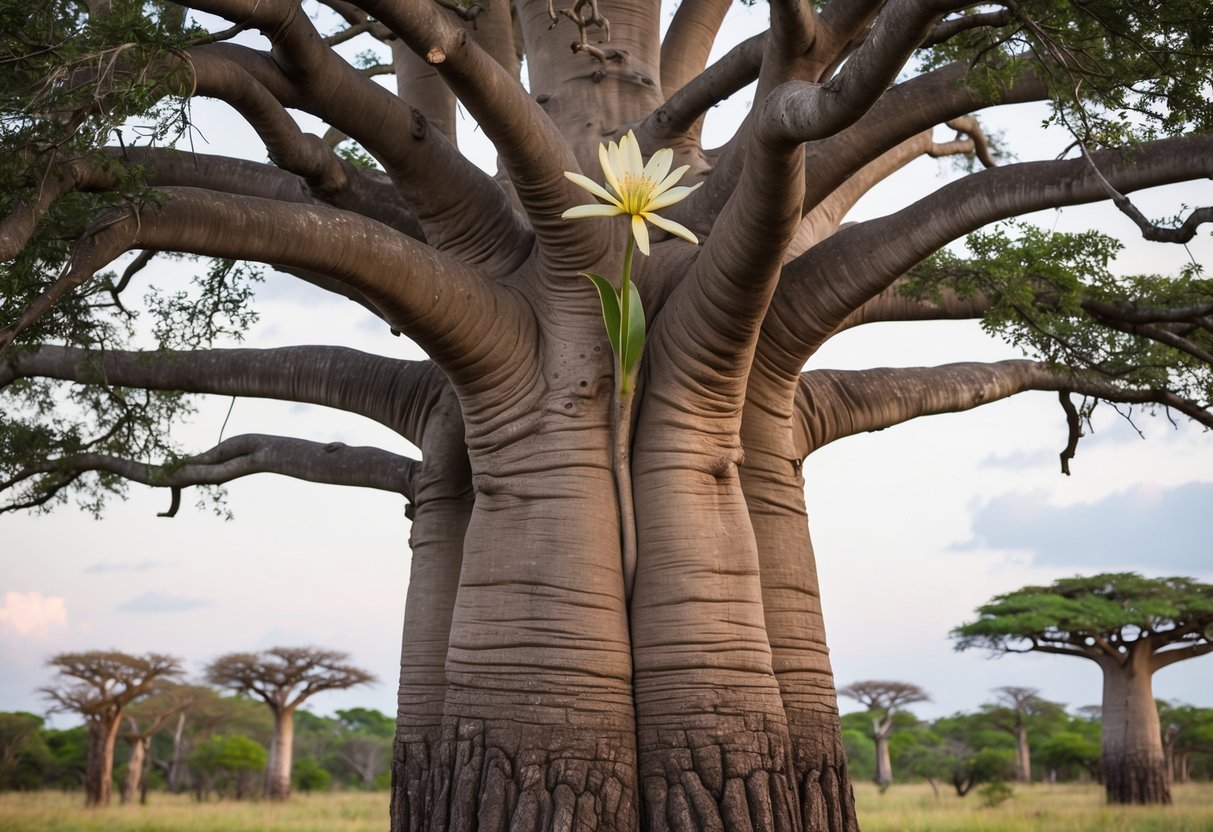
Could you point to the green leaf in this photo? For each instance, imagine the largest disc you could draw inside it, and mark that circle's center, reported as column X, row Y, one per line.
column 610, row 309
column 634, row 337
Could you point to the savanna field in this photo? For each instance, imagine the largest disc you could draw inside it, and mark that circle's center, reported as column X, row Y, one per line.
column 907, row 808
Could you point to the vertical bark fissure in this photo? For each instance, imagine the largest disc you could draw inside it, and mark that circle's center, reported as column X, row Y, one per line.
column 773, row 485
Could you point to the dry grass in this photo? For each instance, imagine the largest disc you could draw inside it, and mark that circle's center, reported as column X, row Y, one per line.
column 1037, row 808
column 65, row 812
column 910, row 808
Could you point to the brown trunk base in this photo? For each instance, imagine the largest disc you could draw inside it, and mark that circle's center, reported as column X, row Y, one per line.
column 412, row 800
column 1134, row 779
column 712, row 778
column 501, row 775
column 827, row 801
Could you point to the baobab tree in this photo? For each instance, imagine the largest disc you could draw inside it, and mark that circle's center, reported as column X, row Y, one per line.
column 582, row 490
column 143, row 721
column 1017, row 706
column 99, row 685
column 284, row 678
column 883, row 699
column 1131, row 627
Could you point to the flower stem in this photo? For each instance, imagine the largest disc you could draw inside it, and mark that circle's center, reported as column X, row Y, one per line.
column 622, row 431
column 625, row 382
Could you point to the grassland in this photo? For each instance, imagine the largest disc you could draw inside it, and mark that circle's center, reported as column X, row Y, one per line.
column 910, row 808
column 1038, row 808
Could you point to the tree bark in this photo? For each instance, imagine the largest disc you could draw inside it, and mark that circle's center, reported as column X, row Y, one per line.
column 1134, row 768
column 884, row 765
column 441, row 509
column 282, row 746
column 101, row 734
column 132, row 783
column 177, row 764
column 538, row 727
column 773, row 485
column 1023, row 755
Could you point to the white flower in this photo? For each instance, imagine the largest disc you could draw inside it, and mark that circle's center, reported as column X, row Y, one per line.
column 634, row 188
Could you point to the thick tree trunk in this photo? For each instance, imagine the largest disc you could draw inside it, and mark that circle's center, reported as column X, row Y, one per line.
column 437, row 544
column 282, row 746
column 99, row 760
column 441, row 508
column 884, row 765
column 1023, row 755
column 538, row 731
column 712, row 735
column 1134, row 767
column 133, row 782
column 177, row 767
column 791, row 595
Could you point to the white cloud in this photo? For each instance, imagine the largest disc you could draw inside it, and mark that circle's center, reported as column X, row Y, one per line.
column 32, row 614
column 162, row 602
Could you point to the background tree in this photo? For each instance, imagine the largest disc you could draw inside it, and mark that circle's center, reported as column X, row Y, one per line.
column 1018, row 707
column 144, row 719
column 527, row 487
column 228, row 761
column 21, row 743
column 883, row 700
column 284, row 678
column 209, row 714
column 99, row 685
column 1186, row 730
column 964, row 750
column 1131, row 627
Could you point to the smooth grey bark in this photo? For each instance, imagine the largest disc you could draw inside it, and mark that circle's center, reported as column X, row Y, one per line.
column 1134, row 767
column 281, row 756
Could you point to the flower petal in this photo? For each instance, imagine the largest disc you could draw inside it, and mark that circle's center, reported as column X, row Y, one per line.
column 641, row 234
column 671, row 196
column 630, row 150
column 672, row 227
column 608, row 169
column 667, row 183
column 596, row 210
column 659, row 165
column 590, row 185
column 615, row 157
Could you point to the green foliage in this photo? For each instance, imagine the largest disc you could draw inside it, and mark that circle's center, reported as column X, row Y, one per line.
column 1080, row 611
column 308, row 776
column 963, row 749
column 1118, row 72
column 1071, row 751
column 995, row 793
column 229, row 761
column 368, row 721
column 217, row 308
column 354, row 153
column 68, row 756
column 1043, row 290
column 861, row 755
column 77, row 89
column 24, row 755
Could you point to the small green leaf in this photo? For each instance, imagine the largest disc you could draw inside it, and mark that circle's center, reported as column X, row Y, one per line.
column 610, row 309
column 634, row 337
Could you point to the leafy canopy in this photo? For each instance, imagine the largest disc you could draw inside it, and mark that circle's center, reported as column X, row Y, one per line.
column 1081, row 611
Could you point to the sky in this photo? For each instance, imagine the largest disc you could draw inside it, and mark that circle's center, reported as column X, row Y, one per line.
column 914, row 526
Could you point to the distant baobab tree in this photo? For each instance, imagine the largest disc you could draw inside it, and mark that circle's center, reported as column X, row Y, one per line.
column 883, row 699
column 284, row 678
column 1131, row 627
column 98, row 685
